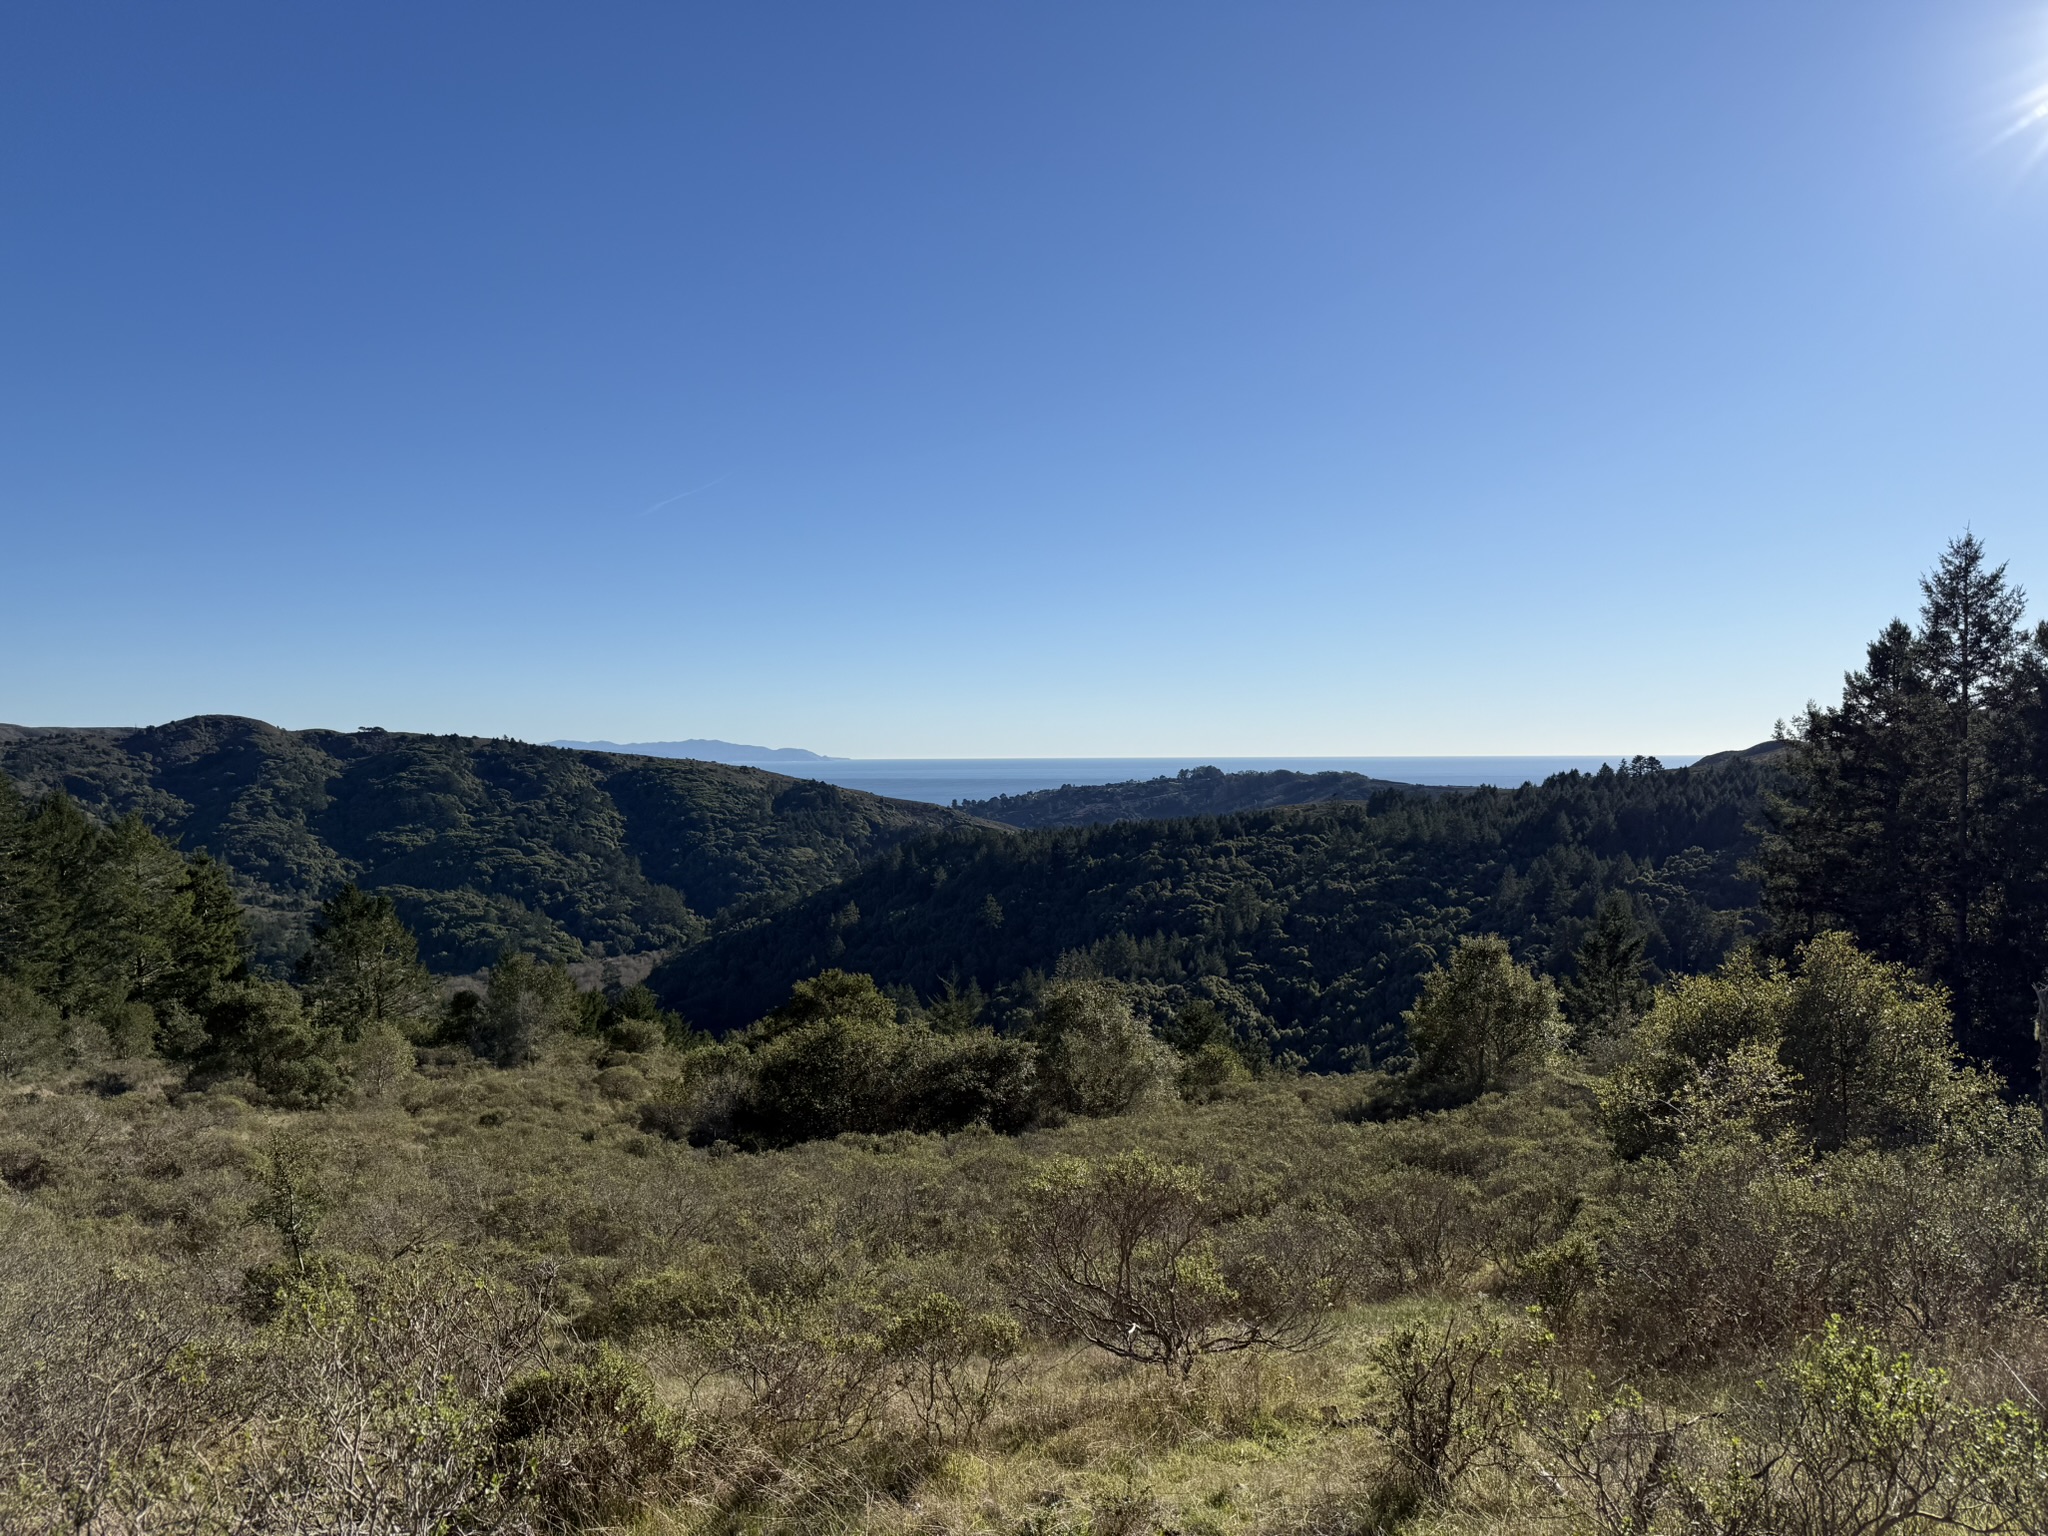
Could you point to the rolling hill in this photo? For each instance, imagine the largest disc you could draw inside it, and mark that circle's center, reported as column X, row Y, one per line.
column 1310, row 927
column 483, row 843
column 1191, row 792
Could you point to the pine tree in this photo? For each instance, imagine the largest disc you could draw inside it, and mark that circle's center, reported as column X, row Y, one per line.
column 1912, row 815
column 1607, row 992
column 68, row 946
column 1848, row 839
column 363, row 971
column 1971, row 643
column 24, row 895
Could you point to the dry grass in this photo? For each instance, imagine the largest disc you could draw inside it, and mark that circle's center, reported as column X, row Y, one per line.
column 541, row 1179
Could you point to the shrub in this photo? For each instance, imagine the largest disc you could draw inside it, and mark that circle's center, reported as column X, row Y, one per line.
column 949, row 1082
column 105, row 1373
column 1865, row 1045
column 1743, row 1239
column 636, row 1036
column 853, row 1073
column 1713, row 1253
column 1096, row 1057
column 1480, row 1020
column 31, row 1031
column 1446, row 1396
column 1211, row 1072
column 836, row 1059
column 1851, row 1441
column 820, row 1078
column 589, row 1444
column 1138, row 1256
column 260, row 1030
column 1617, row 1465
column 951, row 1362
column 807, row 1369
column 805, row 1347
column 1870, row 1043
column 384, row 1381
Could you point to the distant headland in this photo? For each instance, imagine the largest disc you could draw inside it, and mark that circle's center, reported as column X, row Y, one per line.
column 707, row 751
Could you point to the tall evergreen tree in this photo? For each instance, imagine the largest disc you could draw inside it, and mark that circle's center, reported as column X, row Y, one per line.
column 24, row 896
column 211, row 946
column 1606, row 992
column 363, row 971
column 74, row 927
column 1972, row 643
column 95, row 920
column 1905, row 817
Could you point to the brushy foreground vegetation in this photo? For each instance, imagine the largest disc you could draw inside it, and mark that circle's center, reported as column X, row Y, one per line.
column 1780, row 1268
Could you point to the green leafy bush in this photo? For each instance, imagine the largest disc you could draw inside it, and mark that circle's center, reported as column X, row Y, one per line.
column 1850, row 1440
column 589, row 1444
column 1865, row 1047
column 1446, row 1397
column 1096, row 1056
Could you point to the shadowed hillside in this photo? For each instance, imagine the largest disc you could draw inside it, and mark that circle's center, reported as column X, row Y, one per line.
column 482, row 843
column 1310, row 927
column 1191, row 792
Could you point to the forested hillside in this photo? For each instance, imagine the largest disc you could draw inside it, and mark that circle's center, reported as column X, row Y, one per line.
column 484, row 845
column 1191, row 792
column 1310, row 929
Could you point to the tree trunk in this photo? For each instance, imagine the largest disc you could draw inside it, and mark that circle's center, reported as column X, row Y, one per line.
column 2041, row 1038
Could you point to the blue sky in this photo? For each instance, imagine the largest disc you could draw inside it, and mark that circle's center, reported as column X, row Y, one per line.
column 999, row 379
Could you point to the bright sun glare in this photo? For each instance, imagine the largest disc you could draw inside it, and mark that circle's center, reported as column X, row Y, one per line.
column 2030, row 121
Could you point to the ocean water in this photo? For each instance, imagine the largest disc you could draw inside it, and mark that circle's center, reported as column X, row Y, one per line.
column 943, row 780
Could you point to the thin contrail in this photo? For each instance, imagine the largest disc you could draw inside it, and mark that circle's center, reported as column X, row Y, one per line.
column 686, row 495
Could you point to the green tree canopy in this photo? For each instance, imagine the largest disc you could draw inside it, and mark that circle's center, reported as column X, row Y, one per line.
column 259, row 1029
column 1913, row 813
column 838, row 1057
column 526, row 1004
column 363, row 971
column 97, row 919
column 1866, row 1045
column 830, row 994
column 1607, row 992
column 1096, row 1057
column 1480, row 1019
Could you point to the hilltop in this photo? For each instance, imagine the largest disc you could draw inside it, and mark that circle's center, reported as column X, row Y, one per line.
column 1191, row 792
column 483, row 843
column 1762, row 752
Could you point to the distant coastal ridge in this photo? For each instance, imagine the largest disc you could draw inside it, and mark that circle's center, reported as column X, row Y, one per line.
column 705, row 751
column 974, row 783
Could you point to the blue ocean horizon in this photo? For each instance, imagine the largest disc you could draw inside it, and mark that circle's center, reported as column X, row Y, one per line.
column 941, row 781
